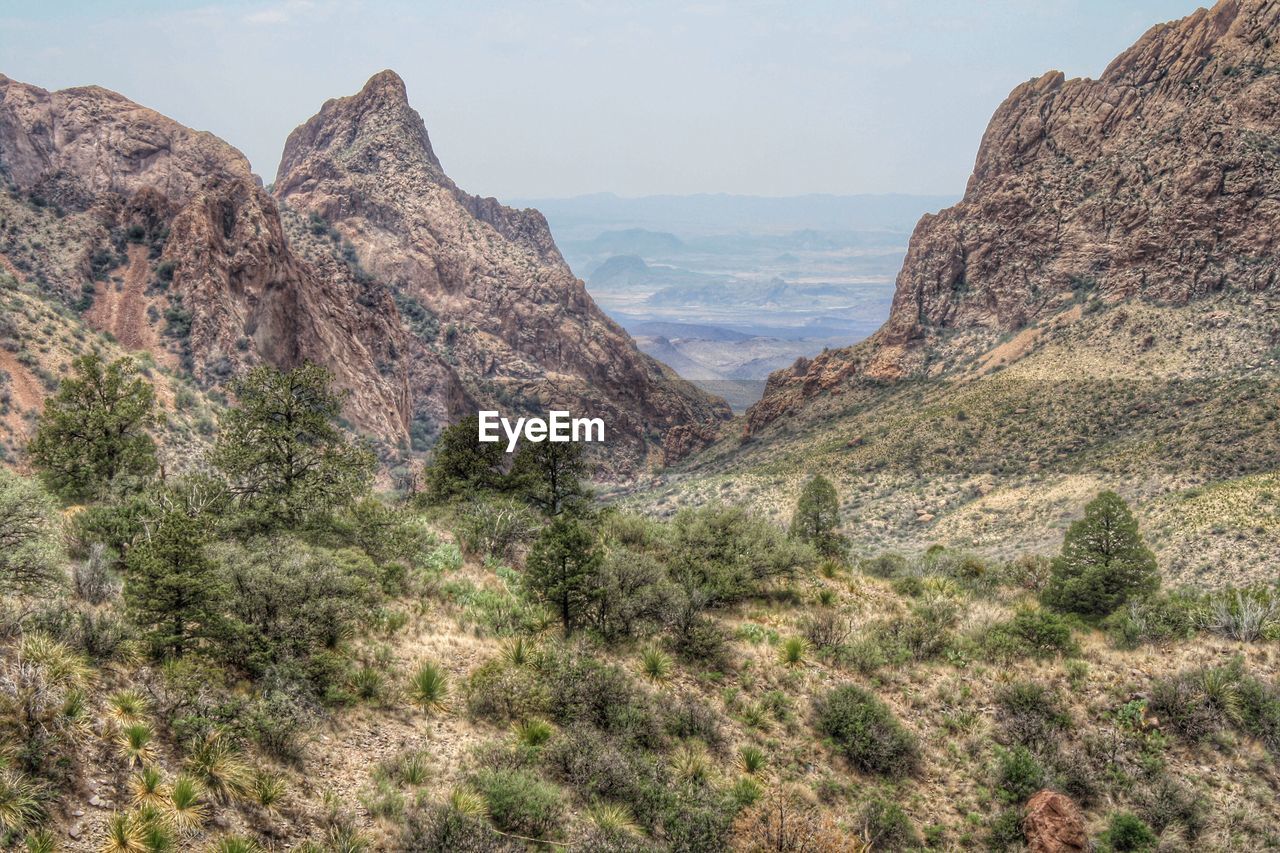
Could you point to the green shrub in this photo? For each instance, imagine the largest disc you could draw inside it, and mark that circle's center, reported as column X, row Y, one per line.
column 500, row 693
column 522, row 803
column 886, row 565
column 1031, row 714
column 1104, row 562
column 1018, row 774
column 1160, row 618
column 1030, row 633
column 865, row 731
column 885, row 826
column 1126, row 832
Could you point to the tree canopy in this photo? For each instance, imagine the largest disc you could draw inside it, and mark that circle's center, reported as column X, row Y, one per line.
column 817, row 516
column 1104, row 561
column 93, row 435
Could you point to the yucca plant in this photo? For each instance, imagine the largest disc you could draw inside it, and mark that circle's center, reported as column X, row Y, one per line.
column 367, row 683
column 751, row 759
column 20, row 802
column 691, row 764
column 147, row 787
column 127, row 707
column 793, row 649
column 157, row 832
column 346, row 839
column 533, row 732
column 613, row 819
column 124, row 835
column 517, row 652
column 134, row 745
column 413, row 768
column 268, row 790
column 217, row 765
column 1222, row 692
column 236, row 844
column 187, row 811
column 826, row 596
column 655, row 664
column 468, row 801
column 429, row 687
column 41, row 842
column 61, row 663
column 755, row 715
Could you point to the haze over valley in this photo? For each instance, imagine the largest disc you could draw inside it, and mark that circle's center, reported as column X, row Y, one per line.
column 726, row 289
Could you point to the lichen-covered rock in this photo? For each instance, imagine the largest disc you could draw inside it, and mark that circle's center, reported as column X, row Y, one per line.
column 1158, row 181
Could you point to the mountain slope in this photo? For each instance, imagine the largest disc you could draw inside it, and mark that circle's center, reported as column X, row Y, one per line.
column 1099, row 311
column 162, row 237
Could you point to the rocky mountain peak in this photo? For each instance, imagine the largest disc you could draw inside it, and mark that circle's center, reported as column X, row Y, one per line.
column 1158, row 182
column 373, row 132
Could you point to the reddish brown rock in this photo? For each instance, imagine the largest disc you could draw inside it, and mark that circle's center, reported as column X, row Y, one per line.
column 426, row 302
column 1159, row 181
column 1054, row 824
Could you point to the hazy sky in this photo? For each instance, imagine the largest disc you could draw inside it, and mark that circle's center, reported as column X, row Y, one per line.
column 560, row 97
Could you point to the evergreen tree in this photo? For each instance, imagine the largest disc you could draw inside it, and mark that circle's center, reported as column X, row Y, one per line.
column 462, row 465
column 28, row 536
column 817, row 516
column 93, row 433
column 1104, row 561
column 549, row 475
column 281, row 448
column 173, row 590
column 560, row 568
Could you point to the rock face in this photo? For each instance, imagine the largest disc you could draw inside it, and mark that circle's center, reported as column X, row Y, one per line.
column 424, row 301
column 501, row 304
column 1054, row 824
column 1157, row 181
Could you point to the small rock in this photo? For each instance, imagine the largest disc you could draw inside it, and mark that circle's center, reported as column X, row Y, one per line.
column 925, row 517
column 75, row 831
column 99, row 803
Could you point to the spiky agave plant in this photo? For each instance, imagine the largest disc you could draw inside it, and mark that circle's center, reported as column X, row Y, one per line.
column 413, row 768
column 517, row 652
column 346, row 839
column 60, row 663
column 147, row 787
column 217, row 764
column 533, row 732
column 613, row 819
column 20, row 802
column 186, row 808
column 655, row 664
column 157, row 832
column 124, row 835
column 134, row 745
column 429, row 687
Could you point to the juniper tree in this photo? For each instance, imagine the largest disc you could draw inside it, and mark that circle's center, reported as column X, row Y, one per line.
column 560, row 568
column 173, row 590
column 283, row 451
column 1104, row 561
column 549, row 475
column 817, row 516
column 462, row 465
column 28, row 536
column 93, row 432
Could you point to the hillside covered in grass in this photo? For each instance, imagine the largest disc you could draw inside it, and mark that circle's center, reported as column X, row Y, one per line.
column 263, row 654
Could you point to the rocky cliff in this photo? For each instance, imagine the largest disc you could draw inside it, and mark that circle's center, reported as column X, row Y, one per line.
column 494, row 297
column 424, row 301
column 1158, row 181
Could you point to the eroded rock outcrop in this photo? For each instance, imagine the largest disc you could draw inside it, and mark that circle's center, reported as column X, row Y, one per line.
column 1054, row 824
column 424, row 301
column 520, row 328
column 1157, row 181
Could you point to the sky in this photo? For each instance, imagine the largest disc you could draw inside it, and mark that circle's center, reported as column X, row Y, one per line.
column 554, row 98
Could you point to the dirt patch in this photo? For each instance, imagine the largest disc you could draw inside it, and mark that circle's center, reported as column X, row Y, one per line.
column 122, row 310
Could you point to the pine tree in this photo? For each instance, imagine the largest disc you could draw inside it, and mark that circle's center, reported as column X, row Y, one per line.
column 29, row 553
column 560, row 569
column 172, row 589
column 1104, row 561
column 462, row 465
column 93, row 433
column 817, row 516
column 549, row 475
column 283, row 451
